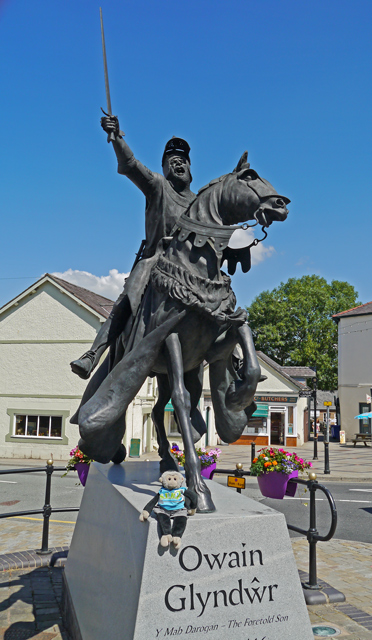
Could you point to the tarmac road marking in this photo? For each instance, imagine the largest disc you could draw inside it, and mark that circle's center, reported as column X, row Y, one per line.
column 366, row 490
column 8, row 481
column 42, row 519
column 324, row 500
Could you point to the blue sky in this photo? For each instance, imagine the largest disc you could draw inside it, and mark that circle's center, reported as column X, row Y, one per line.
column 289, row 80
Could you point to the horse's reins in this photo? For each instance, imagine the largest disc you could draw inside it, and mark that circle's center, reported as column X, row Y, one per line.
column 215, row 234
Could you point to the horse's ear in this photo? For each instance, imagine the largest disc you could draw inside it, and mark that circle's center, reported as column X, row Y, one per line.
column 242, row 162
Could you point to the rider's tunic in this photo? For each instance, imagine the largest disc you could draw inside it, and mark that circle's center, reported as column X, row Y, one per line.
column 164, row 206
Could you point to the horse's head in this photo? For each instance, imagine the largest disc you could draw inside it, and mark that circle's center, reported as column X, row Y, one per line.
column 245, row 196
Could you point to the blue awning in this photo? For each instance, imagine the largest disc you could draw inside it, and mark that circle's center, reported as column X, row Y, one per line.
column 262, row 411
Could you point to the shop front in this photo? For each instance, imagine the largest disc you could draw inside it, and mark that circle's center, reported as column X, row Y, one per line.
column 273, row 423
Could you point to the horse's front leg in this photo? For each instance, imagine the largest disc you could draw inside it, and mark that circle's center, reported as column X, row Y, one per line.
column 241, row 393
column 182, row 405
column 167, row 462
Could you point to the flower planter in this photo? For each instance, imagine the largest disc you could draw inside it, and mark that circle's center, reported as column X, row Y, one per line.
column 275, row 484
column 206, row 472
column 82, row 469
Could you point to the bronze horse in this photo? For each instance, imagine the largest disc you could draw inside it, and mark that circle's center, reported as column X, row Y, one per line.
column 187, row 316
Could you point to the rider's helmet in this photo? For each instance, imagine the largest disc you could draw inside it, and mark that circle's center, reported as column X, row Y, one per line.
column 179, row 145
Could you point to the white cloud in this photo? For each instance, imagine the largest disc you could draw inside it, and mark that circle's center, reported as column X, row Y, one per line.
column 241, row 238
column 109, row 286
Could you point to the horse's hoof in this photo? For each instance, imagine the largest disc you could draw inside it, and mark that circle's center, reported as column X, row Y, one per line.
column 177, row 542
column 120, row 455
column 205, row 502
column 168, row 464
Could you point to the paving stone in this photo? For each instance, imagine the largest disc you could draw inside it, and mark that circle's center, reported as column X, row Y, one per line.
column 47, row 610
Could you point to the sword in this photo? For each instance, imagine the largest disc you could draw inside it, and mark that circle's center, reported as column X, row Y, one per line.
column 110, row 136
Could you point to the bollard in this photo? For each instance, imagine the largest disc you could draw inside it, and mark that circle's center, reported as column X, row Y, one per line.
column 238, row 473
column 326, row 458
column 47, row 510
column 253, row 451
column 315, row 454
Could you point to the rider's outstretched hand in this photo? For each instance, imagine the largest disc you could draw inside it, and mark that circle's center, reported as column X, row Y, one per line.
column 110, row 124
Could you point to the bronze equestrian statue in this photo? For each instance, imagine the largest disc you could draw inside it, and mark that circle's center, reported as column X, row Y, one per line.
column 177, row 310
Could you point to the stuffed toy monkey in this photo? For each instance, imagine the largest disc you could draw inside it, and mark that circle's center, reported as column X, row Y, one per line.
column 173, row 502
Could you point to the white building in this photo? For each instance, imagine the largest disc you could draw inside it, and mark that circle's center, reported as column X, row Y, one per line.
column 355, row 367
column 41, row 331
column 279, row 419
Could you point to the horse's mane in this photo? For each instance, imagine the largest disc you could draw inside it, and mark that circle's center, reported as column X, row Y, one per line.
column 214, row 196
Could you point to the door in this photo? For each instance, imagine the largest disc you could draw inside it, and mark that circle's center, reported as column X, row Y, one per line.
column 364, row 423
column 277, row 427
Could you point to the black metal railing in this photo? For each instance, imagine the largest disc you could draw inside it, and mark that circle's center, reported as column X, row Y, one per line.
column 311, row 533
column 47, row 509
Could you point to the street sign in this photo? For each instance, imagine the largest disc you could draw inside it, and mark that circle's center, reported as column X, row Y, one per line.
column 327, row 404
column 306, row 393
column 237, row 483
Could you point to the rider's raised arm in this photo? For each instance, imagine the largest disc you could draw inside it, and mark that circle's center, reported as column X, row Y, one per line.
column 128, row 165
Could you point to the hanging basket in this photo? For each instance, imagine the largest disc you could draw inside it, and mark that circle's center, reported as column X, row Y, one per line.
column 206, row 472
column 82, row 469
column 275, row 484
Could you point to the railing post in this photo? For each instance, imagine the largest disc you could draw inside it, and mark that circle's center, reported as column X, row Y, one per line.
column 238, row 473
column 47, row 510
column 311, row 536
column 253, row 451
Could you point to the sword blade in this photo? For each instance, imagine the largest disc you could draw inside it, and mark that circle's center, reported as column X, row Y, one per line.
column 107, row 86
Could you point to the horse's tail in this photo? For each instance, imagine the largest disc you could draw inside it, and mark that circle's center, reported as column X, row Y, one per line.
column 229, row 424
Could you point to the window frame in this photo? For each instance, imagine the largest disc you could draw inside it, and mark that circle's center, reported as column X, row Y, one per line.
column 11, row 436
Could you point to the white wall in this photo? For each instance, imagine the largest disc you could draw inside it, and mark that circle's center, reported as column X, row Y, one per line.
column 355, row 350
column 38, row 339
column 354, row 368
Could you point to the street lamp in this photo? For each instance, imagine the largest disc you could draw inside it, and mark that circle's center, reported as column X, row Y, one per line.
column 315, row 456
column 326, row 441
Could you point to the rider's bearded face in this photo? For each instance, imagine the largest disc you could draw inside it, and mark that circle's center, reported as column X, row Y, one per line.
column 177, row 169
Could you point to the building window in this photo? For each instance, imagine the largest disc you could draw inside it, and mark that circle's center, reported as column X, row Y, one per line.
column 255, row 426
column 32, row 426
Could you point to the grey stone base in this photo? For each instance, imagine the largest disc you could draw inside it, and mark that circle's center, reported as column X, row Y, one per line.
column 234, row 577
column 68, row 612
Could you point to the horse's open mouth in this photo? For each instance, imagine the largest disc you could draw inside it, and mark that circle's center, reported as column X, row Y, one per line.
column 266, row 217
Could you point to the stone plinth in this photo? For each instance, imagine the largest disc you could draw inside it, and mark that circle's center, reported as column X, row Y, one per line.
column 234, row 577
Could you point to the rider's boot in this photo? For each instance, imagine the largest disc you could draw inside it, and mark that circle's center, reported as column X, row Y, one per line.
column 84, row 366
